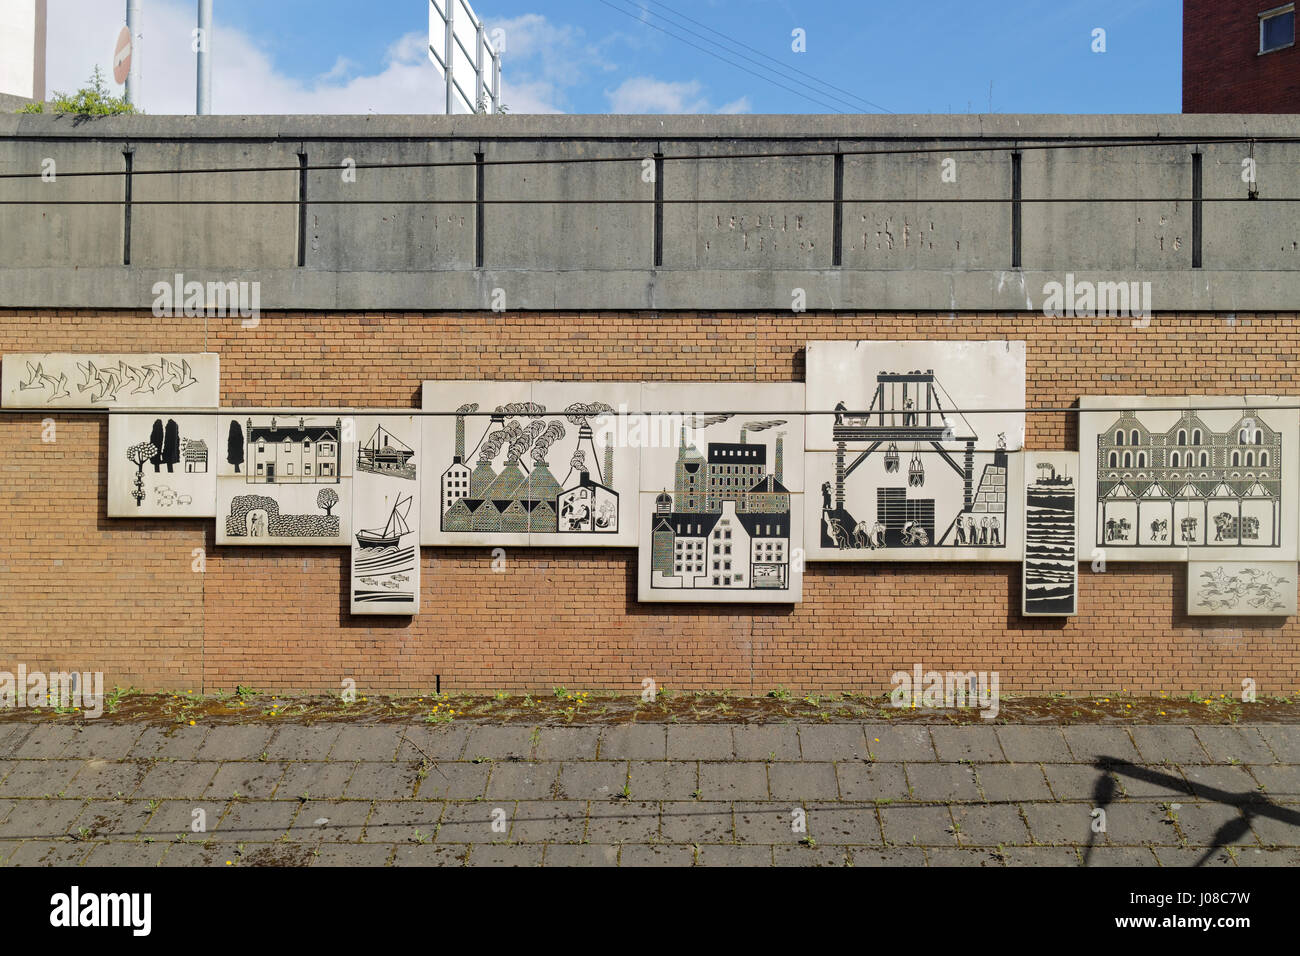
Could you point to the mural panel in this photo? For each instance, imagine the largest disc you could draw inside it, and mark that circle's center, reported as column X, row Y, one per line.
column 285, row 477
column 386, row 515
column 1171, row 478
column 721, row 490
column 1050, row 572
column 908, row 465
column 162, row 466
column 1241, row 588
column 540, row 463
column 109, row 380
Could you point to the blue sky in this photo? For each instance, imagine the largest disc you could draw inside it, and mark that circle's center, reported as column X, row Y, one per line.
column 600, row 56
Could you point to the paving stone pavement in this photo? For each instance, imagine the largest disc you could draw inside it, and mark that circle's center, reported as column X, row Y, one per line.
column 790, row 794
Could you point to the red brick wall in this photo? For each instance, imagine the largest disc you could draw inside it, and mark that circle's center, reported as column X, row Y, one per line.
column 1223, row 70
column 78, row 590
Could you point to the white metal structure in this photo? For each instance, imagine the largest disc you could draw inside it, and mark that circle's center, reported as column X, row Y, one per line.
column 459, row 48
column 22, row 48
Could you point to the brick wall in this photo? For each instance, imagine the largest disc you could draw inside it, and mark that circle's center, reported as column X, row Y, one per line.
column 78, row 590
column 1223, row 70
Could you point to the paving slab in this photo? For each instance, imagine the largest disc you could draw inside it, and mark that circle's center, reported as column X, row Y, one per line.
column 44, row 742
column 102, row 741
column 366, row 743
column 12, row 736
column 1034, row 744
column 579, row 854
column 499, row 742
column 39, row 778
column 693, row 821
column 954, row 856
column 634, row 742
column 768, row 822
column 967, row 742
column 49, row 853
column 124, row 853
column 663, row 779
column 984, row 825
column 1081, row 782
column 334, row 821
column 473, row 822
column 111, row 819
column 803, row 781
column 918, row 826
column 395, row 781
column 174, row 741
column 1230, row 784
column 1140, row 823
column 887, row 856
column 1068, row 823
column 855, row 824
column 591, row 780
column 724, row 854
column 1168, row 745
column 1279, row 782
column 1239, row 744
column 1120, row 856
column 482, row 854
column 406, row 821
column 256, row 821
column 352, row 855
column 428, row 854
column 212, row 853
column 1252, row 856
column 257, row 780
column 315, row 780
column 733, row 781
column 567, row 743
column 652, row 854
column 432, row 742
column 766, row 742
column 442, row 781
column 942, row 782
column 896, row 744
column 1283, row 740
column 241, row 742
column 302, row 743
column 522, row 780
column 103, row 778
column 1006, row 782
column 549, row 821
column 1199, row 856
column 819, row 855
column 180, row 778
column 833, row 742
column 622, row 821
column 700, row 742
column 1152, row 781
column 1092, row 744
column 872, row 781
column 1275, row 826
column 1214, row 824
column 173, row 819
column 1040, row 856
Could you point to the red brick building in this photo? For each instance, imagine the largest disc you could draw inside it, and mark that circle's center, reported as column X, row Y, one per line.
column 1240, row 56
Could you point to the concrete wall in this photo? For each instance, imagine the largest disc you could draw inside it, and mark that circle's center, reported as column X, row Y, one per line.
column 737, row 233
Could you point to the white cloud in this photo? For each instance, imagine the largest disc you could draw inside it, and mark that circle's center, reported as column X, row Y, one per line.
column 543, row 63
column 645, row 94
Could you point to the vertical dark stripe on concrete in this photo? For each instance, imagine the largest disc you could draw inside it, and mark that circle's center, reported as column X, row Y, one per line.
column 1015, row 210
column 659, row 210
column 302, row 209
column 126, row 206
column 1196, row 210
column 837, row 216
column 479, row 210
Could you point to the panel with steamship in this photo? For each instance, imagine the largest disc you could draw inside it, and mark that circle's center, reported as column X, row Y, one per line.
column 386, row 516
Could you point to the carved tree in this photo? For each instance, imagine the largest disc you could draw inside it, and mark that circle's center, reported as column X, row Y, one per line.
column 138, row 455
column 327, row 499
column 171, row 448
column 235, row 446
column 156, row 439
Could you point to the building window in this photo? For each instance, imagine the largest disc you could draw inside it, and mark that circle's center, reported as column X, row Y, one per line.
column 1119, row 438
column 1205, row 459
column 1128, row 459
column 1182, row 437
column 1114, row 459
column 1277, row 28
column 1196, row 437
column 1263, row 458
column 1174, row 460
column 1133, row 437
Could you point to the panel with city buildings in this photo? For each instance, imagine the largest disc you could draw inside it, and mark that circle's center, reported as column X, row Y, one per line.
column 1175, row 477
column 721, row 515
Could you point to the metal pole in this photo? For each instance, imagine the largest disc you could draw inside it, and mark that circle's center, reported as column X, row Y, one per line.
column 479, row 85
column 203, row 100
column 450, row 7
column 496, row 82
column 135, row 27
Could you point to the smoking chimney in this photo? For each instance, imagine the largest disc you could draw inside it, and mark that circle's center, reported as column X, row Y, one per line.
column 780, row 455
column 460, row 438
column 608, row 473
column 743, row 435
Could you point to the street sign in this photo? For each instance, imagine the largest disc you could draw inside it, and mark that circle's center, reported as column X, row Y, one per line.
column 122, row 57
column 460, row 49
